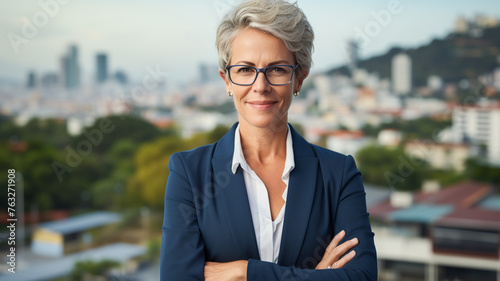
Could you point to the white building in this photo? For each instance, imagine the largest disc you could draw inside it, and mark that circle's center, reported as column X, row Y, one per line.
column 346, row 142
column 389, row 137
column 448, row 234
column 447, row 156
column 401, row 74
column 461, row 25
column 496, row 78
column 479, row 125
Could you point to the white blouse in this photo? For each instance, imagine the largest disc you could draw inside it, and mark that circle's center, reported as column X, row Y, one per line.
column 267, row 232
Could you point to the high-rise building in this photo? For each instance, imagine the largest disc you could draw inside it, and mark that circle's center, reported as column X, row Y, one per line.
column 401, row 74
column 479, row 125
column 353, row 53
column 71, row 68
column 49, row 80
column 121, row 77
column 102, row 68
column 31, row 83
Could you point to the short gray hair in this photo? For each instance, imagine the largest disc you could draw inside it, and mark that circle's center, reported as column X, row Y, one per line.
column 276, row 17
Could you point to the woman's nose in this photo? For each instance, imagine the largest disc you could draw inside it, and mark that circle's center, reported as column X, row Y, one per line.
column 261, row 84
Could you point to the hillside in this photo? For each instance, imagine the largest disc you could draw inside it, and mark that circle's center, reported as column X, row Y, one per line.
column 456, row 57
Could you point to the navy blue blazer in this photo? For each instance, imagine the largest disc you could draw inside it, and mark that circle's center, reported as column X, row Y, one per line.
column 207, row 215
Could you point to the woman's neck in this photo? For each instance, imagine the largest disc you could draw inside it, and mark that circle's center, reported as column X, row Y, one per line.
column 264, row 145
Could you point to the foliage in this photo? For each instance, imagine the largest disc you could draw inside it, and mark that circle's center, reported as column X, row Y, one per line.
column 147, row 185
column 108, row 130
column 391, row 168
column 422, row 128
column 41, row 186
column 92, row 267
column 50, row 131
column 153, row 250
column 483, row 172
column 446, row 178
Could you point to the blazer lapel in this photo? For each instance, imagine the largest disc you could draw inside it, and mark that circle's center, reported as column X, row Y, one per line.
column 234, row 197
column 301, row 187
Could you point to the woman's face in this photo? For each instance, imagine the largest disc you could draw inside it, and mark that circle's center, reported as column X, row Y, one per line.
column 261, row 104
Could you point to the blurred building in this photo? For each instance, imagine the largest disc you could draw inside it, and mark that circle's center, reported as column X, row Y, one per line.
column 31, row 83
column 401, row 74
column 70, row 68
column 479, row 125
column 445, row 156
column 448, row 234
column 390, row 137
column 496, row 78
column 50, row 80
column 121, row 77
column 102, row 68
column 128, row 255
column 346, row 142
column 58, row 238
column 461, row 25
column 353, row 53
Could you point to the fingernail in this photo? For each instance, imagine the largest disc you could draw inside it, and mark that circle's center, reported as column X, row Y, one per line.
column 352, row 253
column 342, row 232
column 354, row 240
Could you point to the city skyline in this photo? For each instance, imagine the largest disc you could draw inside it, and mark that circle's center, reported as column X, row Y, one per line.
column 136, row 36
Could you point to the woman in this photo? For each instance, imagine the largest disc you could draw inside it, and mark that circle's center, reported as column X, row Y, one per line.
column 262, row 203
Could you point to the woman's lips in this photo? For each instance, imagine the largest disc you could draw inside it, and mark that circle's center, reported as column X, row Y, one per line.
column 262, row 105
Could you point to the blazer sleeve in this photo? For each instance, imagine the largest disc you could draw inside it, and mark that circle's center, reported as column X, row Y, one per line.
column 182, row 248
column 351, row 217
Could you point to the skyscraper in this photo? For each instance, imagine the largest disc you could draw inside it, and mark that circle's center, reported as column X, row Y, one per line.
column 102, row 68
column 31, row 83
column 353, row 53
column 401, row 74
column 70, row 68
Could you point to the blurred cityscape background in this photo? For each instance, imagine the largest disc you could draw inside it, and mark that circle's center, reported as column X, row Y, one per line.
column 95, row 97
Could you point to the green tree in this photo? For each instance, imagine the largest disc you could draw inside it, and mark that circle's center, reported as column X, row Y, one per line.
column 479, row 170
column 107, row 131
column 94, row 268
column 147, row 185
column 391, row 168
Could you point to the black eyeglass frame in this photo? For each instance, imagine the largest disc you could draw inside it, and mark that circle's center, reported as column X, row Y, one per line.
column 263, row 70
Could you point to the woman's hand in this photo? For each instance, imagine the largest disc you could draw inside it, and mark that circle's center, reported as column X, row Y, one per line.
column 222, row 271
column 334, row 251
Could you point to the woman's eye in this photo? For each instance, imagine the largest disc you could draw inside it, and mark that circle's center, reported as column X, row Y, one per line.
column 278, row 69
column 244, row 69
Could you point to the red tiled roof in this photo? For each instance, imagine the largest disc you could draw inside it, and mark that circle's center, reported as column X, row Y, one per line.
column 472, row 218
column 382, row 210
column 465, row 194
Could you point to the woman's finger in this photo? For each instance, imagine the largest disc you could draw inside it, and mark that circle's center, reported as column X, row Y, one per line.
column 335, row 241
column 344, row 260
column 326, row 260
column 334, row 252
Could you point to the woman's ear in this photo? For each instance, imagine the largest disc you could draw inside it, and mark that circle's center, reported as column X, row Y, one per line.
column 300, row 79
column 227, row 82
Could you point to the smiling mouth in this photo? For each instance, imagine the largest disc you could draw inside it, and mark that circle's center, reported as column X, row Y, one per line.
column 262, row 105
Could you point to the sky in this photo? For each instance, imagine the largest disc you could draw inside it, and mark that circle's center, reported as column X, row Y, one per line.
column 176, row 36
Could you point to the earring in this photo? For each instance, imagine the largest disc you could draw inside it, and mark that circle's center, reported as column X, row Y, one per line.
column 230, row 93
column 296, row 93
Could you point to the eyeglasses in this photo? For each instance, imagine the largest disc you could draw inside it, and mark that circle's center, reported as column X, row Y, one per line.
column 276, row 75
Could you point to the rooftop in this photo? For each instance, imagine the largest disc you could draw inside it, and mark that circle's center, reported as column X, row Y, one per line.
column 464, row 205
column 60, row 267
column 81, row 222
column 474, row 218
column 421, row 213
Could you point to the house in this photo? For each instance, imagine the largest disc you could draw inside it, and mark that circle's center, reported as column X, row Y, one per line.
column 58, row 238
column 449, row 234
